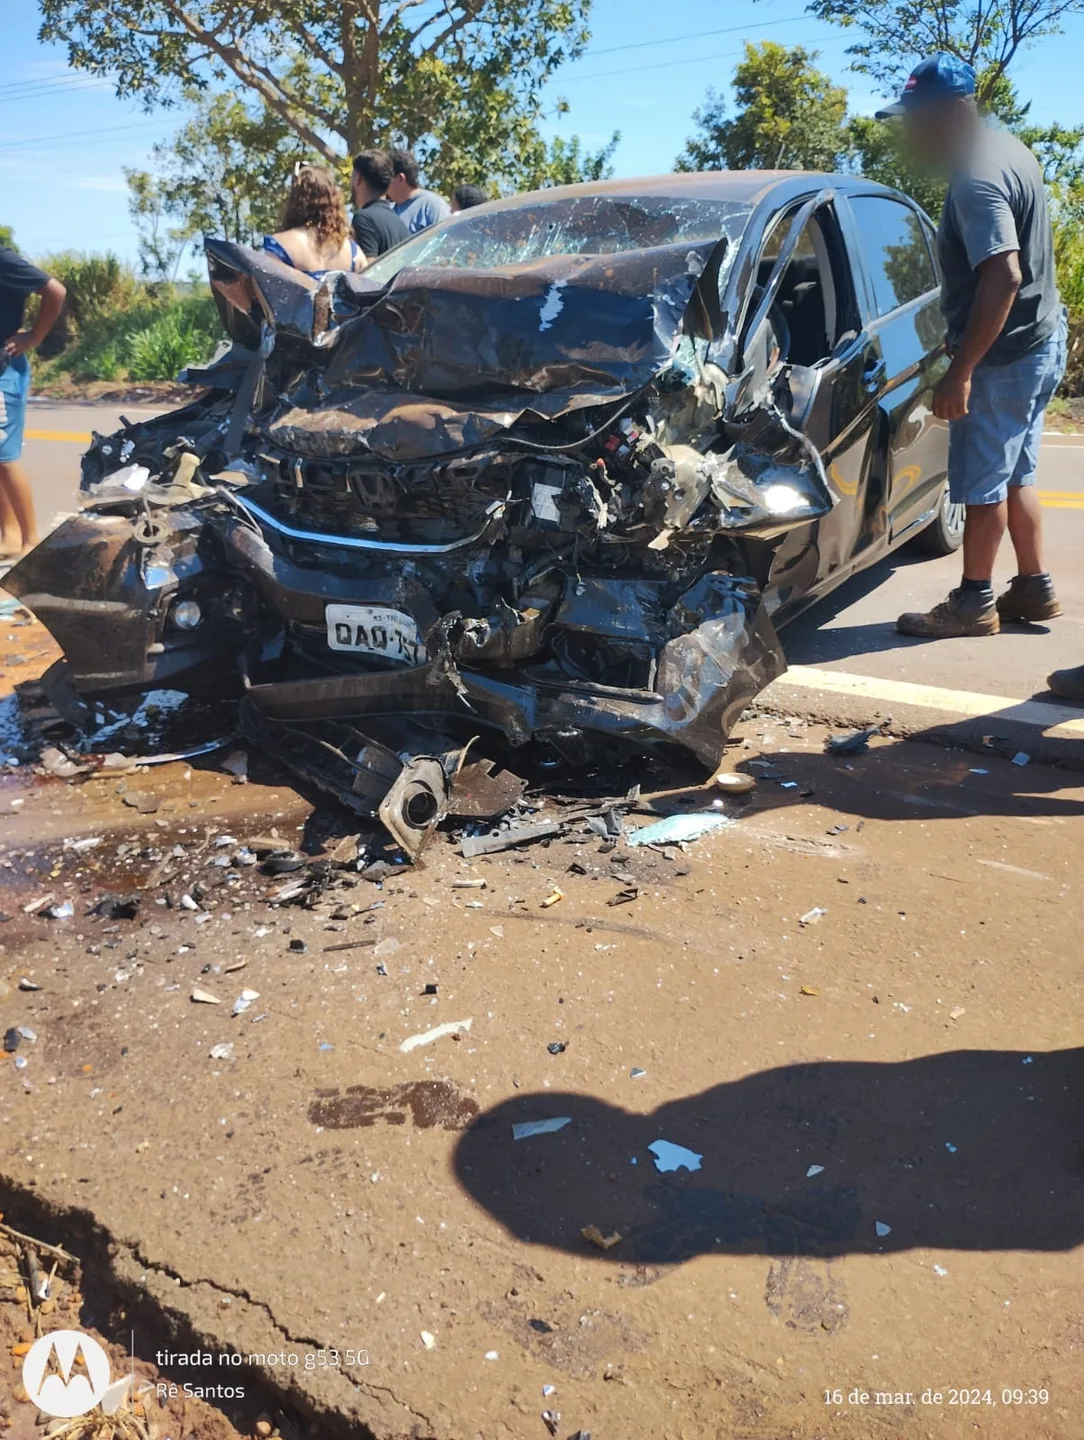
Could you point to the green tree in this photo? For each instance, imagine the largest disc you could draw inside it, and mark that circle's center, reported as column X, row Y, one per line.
column 223, row 173
column 7, row 237
column 459, row 78
column 785, row 115
column 892, row 35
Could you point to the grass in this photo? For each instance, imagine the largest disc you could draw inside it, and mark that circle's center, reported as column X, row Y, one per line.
column 117, row 327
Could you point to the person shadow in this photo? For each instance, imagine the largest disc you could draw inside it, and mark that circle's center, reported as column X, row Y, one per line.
column 963, row 1150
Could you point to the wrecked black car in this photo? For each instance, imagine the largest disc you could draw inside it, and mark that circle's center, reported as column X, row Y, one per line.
column 543, row 480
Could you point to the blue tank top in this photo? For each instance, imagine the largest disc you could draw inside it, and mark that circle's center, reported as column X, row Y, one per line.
column 276, row 248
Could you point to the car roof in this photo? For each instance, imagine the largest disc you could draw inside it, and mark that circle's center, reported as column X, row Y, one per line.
column 745, row 187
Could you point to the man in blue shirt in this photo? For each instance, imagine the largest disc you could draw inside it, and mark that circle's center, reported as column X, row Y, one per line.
column 417, row 208
column 18, row 280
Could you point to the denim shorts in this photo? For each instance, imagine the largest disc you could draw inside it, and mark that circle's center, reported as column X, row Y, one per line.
column 14, row 388
column 996, row 444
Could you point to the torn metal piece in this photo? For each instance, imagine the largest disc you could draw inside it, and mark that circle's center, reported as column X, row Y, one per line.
column 416, row 803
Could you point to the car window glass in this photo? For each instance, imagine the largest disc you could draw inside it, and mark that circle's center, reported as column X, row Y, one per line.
column 581, row 225
column 805, row 316
column 897, row 255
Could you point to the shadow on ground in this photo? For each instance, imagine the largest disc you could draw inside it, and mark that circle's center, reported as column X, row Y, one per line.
column 967, row 1150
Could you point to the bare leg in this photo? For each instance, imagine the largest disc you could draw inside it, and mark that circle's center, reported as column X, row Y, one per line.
column 11, row 536
column 984, row 526
column 16, row 487
column 1026, row 529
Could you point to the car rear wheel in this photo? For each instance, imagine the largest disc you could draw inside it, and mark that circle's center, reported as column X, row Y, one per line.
column 945, row 533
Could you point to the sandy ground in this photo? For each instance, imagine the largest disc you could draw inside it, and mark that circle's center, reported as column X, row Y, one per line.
column 873, row 1231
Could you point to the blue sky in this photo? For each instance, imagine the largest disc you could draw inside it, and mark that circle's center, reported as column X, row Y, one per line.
column 65, row 138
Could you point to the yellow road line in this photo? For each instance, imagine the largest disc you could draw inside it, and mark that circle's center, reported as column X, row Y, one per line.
column 77, row 437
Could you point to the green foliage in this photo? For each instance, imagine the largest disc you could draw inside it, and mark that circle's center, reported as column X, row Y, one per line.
column 891, row 36
column 460, row 81
column 224, row 173
column 151, row 338
column 787, row 115
column 180, row 336
column 7, row 237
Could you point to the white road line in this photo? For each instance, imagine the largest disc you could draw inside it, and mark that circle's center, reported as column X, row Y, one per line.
column 1062, row 721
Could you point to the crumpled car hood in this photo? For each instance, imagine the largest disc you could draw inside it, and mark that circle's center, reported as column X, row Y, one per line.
column 442, row 358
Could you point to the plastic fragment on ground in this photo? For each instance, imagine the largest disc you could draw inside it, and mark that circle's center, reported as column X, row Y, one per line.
column 814, row 1170
column 594, row 1236
column 812, row 916
column 881, row 1228
column 450, row 1027
column 526, row 1128
column 676, row 829
column 669, row 1156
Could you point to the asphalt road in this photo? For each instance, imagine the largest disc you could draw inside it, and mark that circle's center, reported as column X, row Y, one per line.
column 853, row 631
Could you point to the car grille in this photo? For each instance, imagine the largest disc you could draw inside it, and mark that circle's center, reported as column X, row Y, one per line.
column 411, row 504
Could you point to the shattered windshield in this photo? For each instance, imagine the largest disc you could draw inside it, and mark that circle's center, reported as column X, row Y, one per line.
column 582, row 225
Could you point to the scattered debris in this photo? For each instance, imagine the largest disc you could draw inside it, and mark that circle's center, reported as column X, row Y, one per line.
column 734, row 782
column 881, row 1228
column 222, row 1052
column 243, row 1001
column 557, row 1047
column 64, row 911
column 812, row 916
column 856, row 742
column 450, row 1027
column 428, row 1340
column 141, row 800
column 636, row 1073
column 939, row 1270
column 552, row 1420
column 814, row 1170
column 204, row 997
column 508, row 838
column 677, row 829
column 808, row 990
column 12, row 1040
column 956, row 1012
column 388, row 946
column 552, row 898
column 526, row 1128
column 669, row 1156
column 117, row 907
column 595, row 1236
column 25, row 983
column 1021, row 758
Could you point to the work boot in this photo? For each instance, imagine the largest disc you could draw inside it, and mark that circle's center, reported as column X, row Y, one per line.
column 1029, row 599
column 1069, row 684
column 964, row 612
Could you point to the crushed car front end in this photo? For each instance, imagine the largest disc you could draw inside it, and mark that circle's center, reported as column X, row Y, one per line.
column 516, row 491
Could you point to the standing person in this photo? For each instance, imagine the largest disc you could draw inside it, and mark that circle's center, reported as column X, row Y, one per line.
column 18, row 280
column 315, row 235
column 376, row 226
column 1006, row 337
column 416, row 207
column 465, row 197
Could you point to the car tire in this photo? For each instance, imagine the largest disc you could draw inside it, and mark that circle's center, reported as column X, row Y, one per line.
column 945, row 533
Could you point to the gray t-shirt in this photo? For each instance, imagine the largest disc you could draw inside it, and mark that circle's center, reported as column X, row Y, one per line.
column 997, row 203
column 424, row 208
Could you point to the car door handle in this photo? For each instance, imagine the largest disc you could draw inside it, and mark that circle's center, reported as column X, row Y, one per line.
column 873, row 375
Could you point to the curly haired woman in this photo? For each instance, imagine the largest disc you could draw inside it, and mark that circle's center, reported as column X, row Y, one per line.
column 315, row 235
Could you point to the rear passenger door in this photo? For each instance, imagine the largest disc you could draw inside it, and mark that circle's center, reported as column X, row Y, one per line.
column 893, row 249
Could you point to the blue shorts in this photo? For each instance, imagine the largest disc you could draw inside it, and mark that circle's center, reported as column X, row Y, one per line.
column 14, row 388
column 996, row 444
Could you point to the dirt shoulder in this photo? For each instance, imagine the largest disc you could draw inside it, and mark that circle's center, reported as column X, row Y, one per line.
column 854, row 1009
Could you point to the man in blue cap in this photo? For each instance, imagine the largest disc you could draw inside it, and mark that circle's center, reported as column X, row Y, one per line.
column 1006, row 339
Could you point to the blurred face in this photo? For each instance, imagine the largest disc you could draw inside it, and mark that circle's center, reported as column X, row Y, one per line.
column 934, row 132
column 399, row 190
